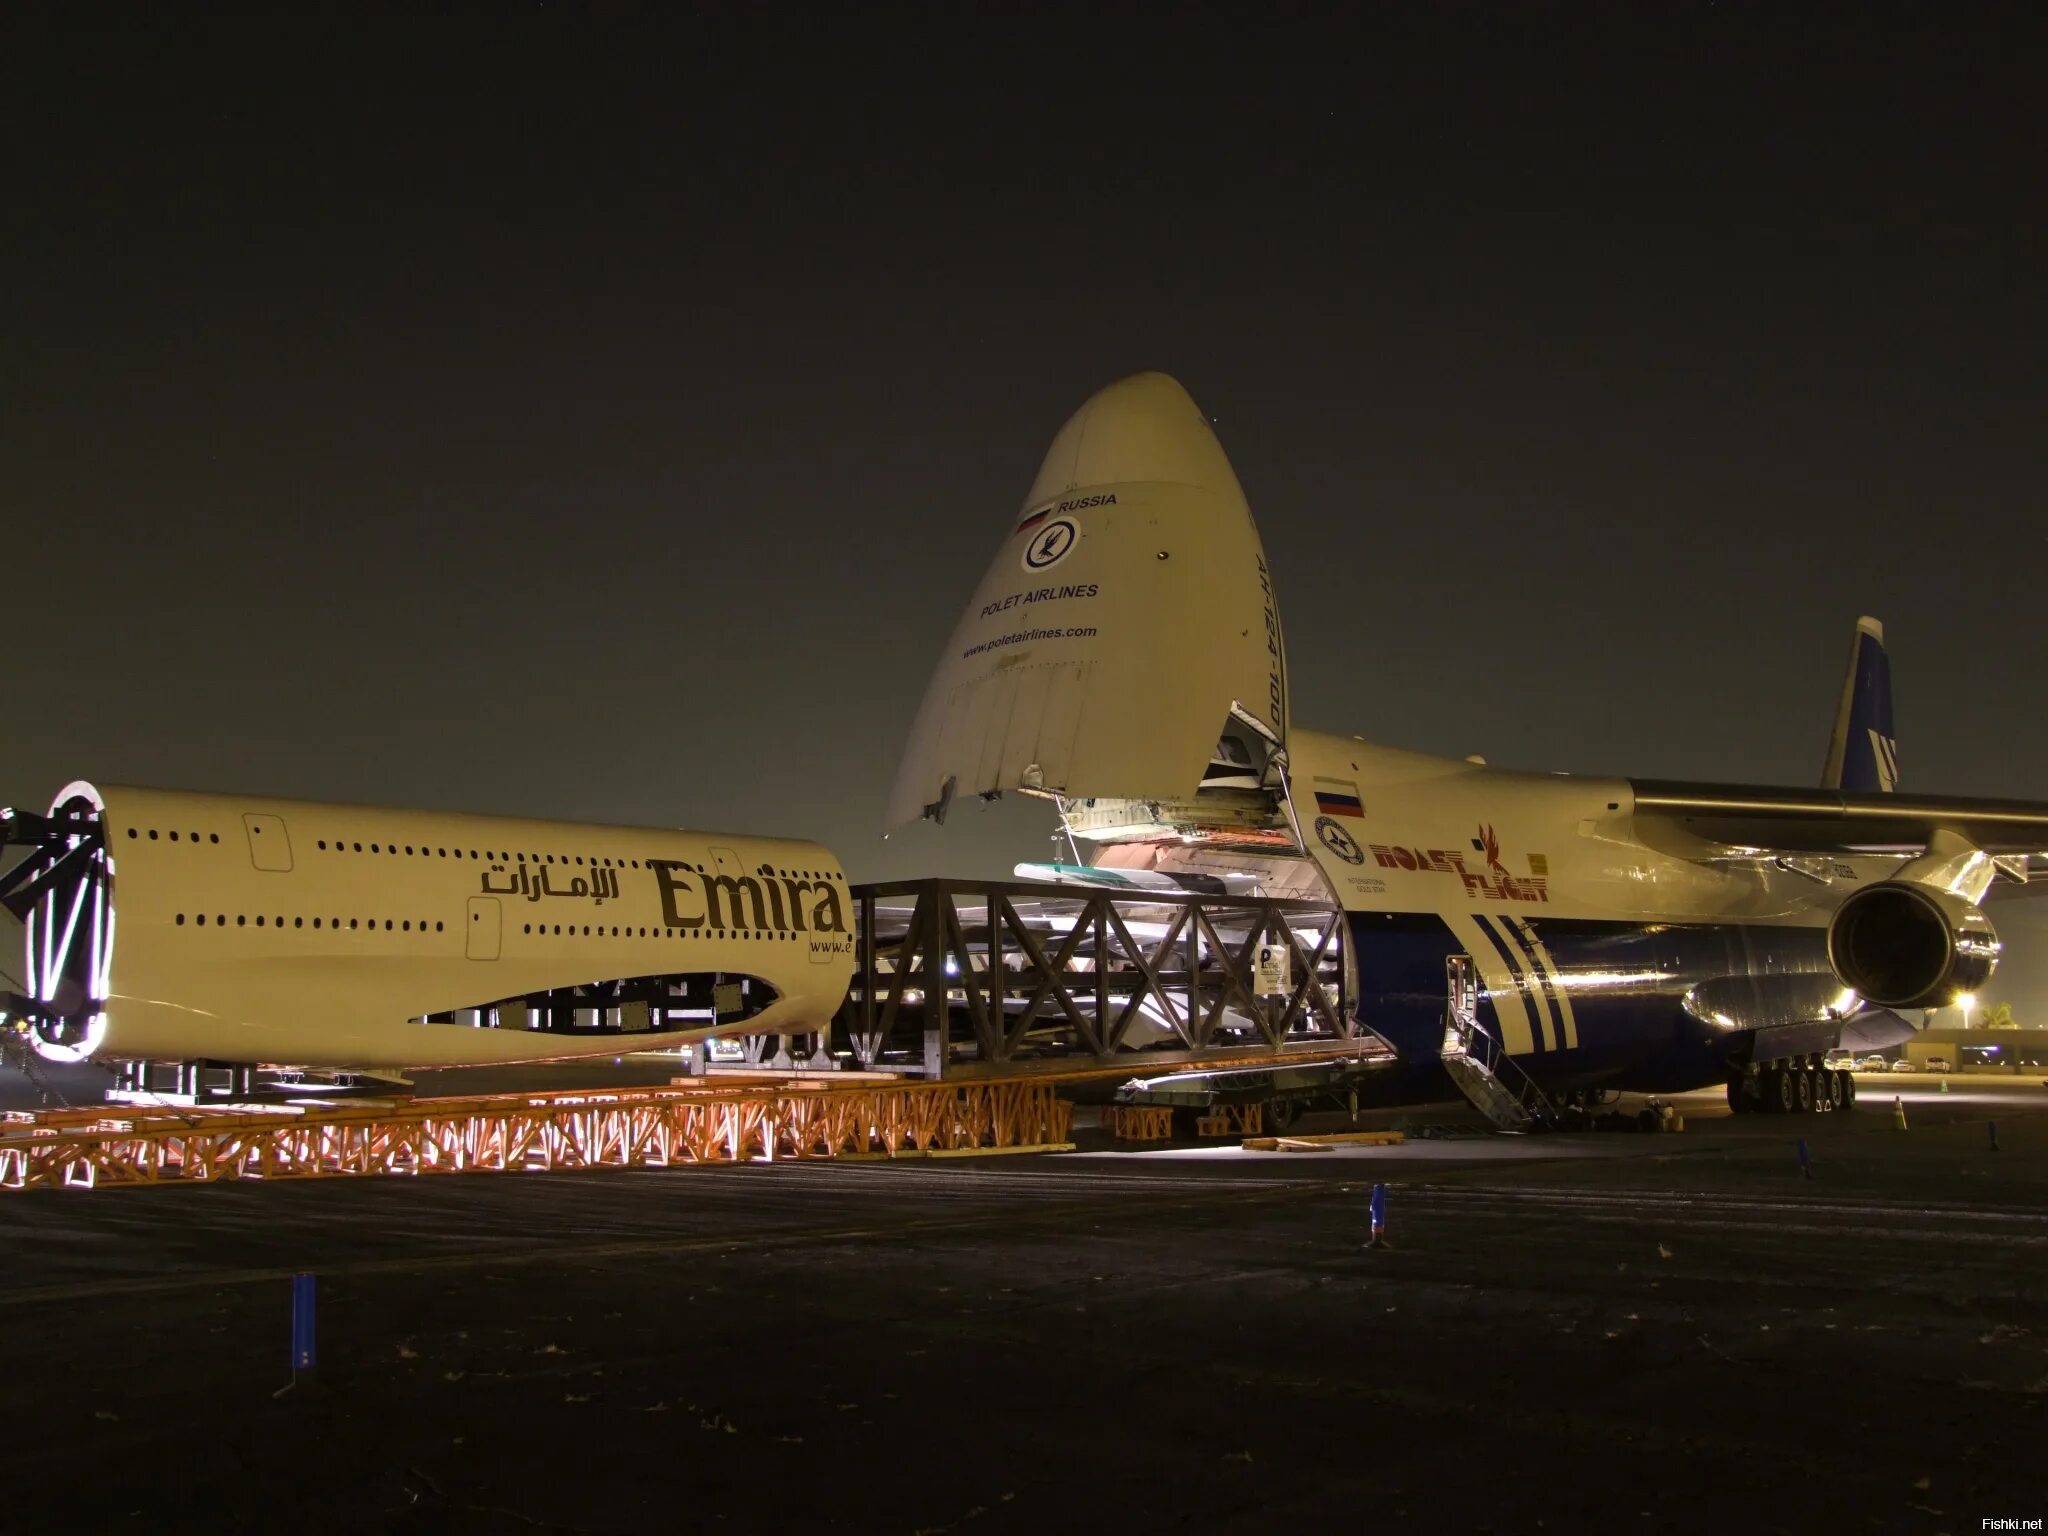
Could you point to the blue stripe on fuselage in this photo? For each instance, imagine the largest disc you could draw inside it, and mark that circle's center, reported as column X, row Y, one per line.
column 1511, row 957
column 1627, row 983
column 1542, row 982
column 1519, row 928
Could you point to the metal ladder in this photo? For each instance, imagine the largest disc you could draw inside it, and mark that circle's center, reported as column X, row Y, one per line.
column 1481, row 1066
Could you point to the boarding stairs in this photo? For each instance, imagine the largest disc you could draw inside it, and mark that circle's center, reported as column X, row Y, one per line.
column 1481, row 1066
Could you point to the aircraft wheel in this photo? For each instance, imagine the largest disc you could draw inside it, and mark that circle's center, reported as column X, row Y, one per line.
column 1848, row 1082
column 1738, row 1101
column 1781, row 1095
column 1802, row 1090
column 1280, row 1114
column 1831, row 1088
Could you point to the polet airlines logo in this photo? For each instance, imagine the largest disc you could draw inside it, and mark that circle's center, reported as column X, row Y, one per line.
column 1049, row 544
column 1494, row 882
column 1051, row 532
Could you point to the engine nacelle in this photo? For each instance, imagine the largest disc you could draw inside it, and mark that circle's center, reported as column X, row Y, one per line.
column 1903, row 945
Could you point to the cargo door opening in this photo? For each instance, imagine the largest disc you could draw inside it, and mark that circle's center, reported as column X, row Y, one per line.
column 61, row 888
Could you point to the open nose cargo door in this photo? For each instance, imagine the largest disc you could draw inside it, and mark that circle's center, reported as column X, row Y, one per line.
column 1123, row 651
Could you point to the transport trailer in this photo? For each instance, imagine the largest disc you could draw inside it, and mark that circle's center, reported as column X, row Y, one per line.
column 1260, row 1099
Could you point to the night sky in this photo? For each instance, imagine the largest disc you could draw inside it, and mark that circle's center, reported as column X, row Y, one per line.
column 604, row 414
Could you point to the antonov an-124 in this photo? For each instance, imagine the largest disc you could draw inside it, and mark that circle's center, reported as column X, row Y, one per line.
column 1526, row 938
column 1520, row 938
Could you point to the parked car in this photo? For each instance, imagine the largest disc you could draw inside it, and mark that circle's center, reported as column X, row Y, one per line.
column 1903, row 1065
column 1939, row 1064
column 1873, row 1063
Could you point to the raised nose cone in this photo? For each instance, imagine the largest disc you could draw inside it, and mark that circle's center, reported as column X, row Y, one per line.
column 1127, row 613
column 1145, row 428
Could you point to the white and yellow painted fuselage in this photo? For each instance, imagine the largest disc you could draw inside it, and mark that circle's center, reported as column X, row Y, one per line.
column 246, row 930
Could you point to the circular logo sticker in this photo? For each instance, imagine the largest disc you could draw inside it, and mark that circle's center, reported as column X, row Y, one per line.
column 1049, row 545
column 1338, row 841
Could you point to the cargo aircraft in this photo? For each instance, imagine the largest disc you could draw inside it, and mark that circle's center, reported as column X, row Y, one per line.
column 1531, row 940
column 1522, row 938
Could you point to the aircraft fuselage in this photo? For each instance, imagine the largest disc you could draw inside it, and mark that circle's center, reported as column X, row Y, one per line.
column 1603, row 959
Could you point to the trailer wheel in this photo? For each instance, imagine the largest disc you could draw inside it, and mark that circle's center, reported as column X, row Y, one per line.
column 1280, row 1114
column 1848, row 1081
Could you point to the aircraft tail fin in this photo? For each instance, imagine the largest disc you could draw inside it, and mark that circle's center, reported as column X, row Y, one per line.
column 1863, row 752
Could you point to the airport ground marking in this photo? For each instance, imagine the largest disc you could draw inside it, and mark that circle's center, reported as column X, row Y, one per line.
column 574, row 1253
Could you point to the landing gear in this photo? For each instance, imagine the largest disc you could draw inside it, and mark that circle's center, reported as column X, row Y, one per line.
column 1781, row 1094
column 1791, row 1088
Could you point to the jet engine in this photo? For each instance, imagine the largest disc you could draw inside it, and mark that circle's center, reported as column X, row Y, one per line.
column 1904, row 945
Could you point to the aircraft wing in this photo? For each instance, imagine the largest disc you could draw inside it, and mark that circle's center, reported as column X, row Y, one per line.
column 2014, row 832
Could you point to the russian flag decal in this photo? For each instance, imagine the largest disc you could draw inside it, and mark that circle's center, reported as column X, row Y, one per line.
column 1338, row 797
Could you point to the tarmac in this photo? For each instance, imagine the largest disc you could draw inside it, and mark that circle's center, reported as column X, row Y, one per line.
column 1657, row 1332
